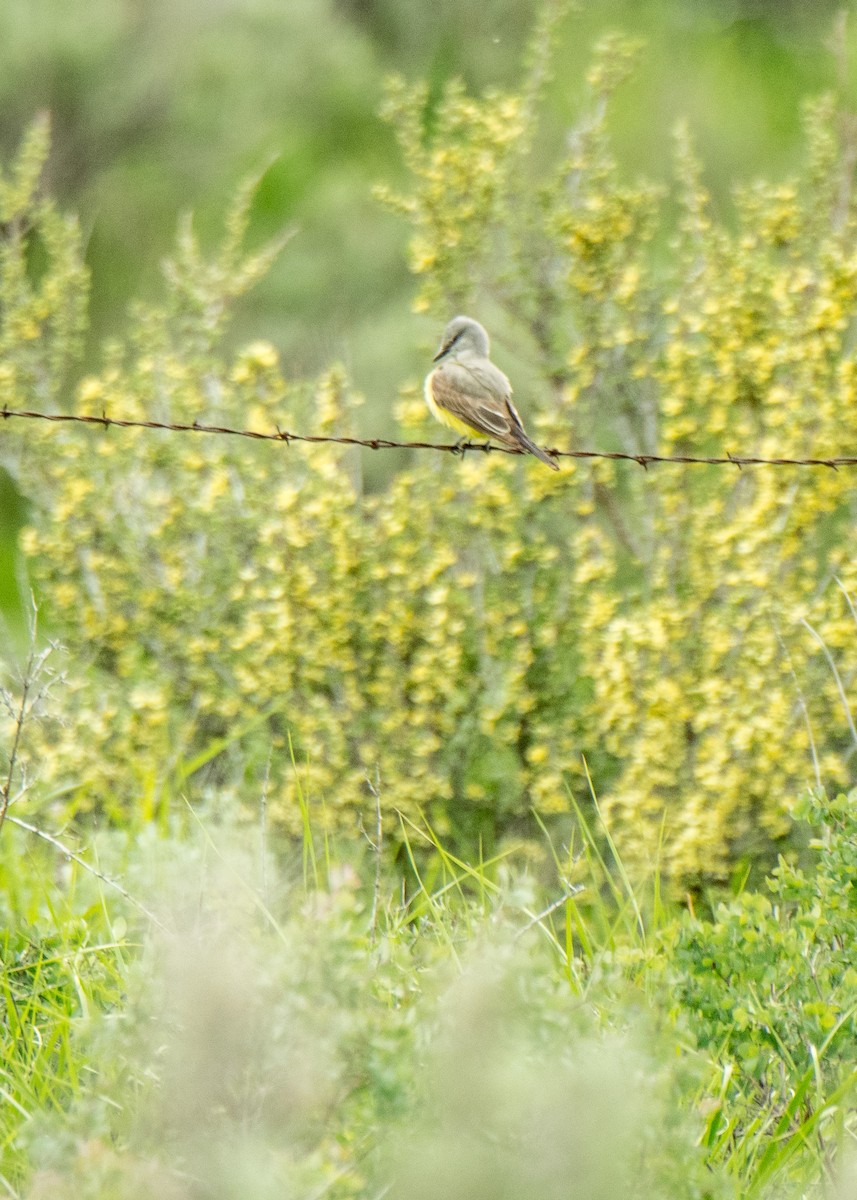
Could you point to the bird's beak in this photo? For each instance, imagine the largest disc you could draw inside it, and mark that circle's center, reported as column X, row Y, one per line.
column 446, row 347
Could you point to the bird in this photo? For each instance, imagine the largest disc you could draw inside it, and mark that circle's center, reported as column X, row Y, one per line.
column 467, row 393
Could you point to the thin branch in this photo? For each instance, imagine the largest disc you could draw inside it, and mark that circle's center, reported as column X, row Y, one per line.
column 263, row 828
column 608, row 505
column 377, row 846
column 801, row 704
column 569, row 894
column 67, row 852
column 19, row 715
column 30, row 698
column 837, row 677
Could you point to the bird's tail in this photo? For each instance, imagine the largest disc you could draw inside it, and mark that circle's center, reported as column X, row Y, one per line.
column 530, row 445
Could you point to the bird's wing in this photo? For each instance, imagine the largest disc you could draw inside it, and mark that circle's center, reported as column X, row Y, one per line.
column 483, row 374
column 464, row 392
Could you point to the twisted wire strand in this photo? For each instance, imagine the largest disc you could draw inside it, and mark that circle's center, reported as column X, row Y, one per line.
column 282, row 435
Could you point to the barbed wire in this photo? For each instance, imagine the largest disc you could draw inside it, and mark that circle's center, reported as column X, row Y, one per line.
column 281, row 435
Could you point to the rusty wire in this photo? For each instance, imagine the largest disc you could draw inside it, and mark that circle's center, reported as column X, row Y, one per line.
column 281, row 435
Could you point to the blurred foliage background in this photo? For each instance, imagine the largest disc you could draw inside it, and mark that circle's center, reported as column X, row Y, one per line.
column 162, row 105
column 159, row 106
column 510, row 630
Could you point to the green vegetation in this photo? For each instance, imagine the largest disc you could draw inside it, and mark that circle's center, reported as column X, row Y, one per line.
column 468, row 835
column 275, row 1031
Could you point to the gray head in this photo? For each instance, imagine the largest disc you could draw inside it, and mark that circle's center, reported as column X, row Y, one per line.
column 463, row 335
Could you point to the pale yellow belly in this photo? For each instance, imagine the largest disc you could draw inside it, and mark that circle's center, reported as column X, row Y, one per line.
column 447, row 418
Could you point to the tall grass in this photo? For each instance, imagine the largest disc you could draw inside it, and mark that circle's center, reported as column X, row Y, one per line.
column 313, row 1025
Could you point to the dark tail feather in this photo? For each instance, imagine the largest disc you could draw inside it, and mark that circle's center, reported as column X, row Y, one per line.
column 540, row 454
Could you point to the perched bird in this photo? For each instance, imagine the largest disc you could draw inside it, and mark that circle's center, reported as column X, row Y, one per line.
column 467, row 393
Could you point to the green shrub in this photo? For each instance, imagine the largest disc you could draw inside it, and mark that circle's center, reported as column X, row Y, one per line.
column 769, row 982
column 769, row 988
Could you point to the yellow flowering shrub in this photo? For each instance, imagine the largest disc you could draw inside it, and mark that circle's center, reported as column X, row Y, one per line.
column 42, row 323
column 241, row 620
column 700, row 686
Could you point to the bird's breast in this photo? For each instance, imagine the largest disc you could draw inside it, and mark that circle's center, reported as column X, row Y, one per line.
column 443, row 414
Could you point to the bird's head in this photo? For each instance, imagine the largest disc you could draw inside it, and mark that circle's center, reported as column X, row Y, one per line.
column 463, row 334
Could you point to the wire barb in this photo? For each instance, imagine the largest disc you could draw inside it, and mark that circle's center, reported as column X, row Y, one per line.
column 461, row 447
